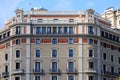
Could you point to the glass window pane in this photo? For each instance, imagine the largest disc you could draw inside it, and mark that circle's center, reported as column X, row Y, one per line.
column 54, row 41
column 43, row 30
column 37, row 77
column 54, row 53
column 37, row 53
column 59, row 30
column 17, row 53
column 54, row 77
column 71, row 53
column 54, row 30
column 54, row 66
column 65, row 30
column 90, row 53
column 37, row 41
column 71, row 66
column 48, row 30
column 71, row 78
column 37, row 30
column 90, row 29
column 90, row 41
column 37, row 66
column 71, row 41
column 70, row 30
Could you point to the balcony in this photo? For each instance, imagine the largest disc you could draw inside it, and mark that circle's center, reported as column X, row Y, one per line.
column 107, row 73
column 18, row 71
column 55, row 71
column 40, row 71
column 5, row 74
column 93, row 71
column 71, row 71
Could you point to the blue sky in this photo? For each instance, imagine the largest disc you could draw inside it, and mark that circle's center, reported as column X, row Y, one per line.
column 7, row 7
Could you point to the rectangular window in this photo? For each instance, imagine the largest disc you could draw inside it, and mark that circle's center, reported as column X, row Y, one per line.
column 37, row 41
column 59, row 30
column 54, row 53
column 54, row 30
column 70, row 77
column 91, row 65
column 37, row 54
column 17, row 41
column 90, row 78
column 40, row 20
column 38, row 30
column 37, row 77
column 54, row 66
column 6, row 68
column 54, row 77
column 17, row 53
column 90, row 30
column 65, row 30
column 71, row 53
column 104, row 56
column 17, row 65
column 70, row 66
column 8, row 34
column 54, row 41
column 71, row 41
column 43, row 30
column 6, row 57
column 119, row 60
column 112, row 69
column 112, row 58
column 90, row 41
column 48, row 30
column 17, row 78
column 37, row 66
column 90, row 53
column 104, row 68
column 70, row 30
column 71, row 20
column 18, row 30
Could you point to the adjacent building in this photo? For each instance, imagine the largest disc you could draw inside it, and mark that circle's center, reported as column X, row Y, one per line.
column 59, row 45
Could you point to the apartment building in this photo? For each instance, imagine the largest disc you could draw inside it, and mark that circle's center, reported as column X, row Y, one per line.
column 59, row 45
column 112, row 15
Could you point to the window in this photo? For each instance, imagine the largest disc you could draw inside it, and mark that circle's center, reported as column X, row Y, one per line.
column 37, row 66
column 8, row 34
column 37, row 54
column 112, row 69
column 17, row 41
column 17, row 53
column 37, row 77
column 54, row 41
column 70, row 77
column 48, row 30
column 37, row 30
column 37, row 41
column 54, row 30
column 43, row 30
column 104, row 79
column 71, row 53
column 40, row 20
column 6, row 68
column 102, row 33
column 59, row 30
column 90, row 78
column 18, row 30
column 6, row 57
column 71, row 20
column 90, row 30
column 70, row 66
column 119, row 60
column 112, row 58
column 70, row 30
column 55, row 20
column 71, row 41
column 91, row 53
column 65, row 30
column 17, row 65
column 54, row 77
column 54, row 53
column 90, row 41
column 17, row 78
column 91, row 65
column 118, row 70
column 104, row 56
column 104, row 68
column 54, row 66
